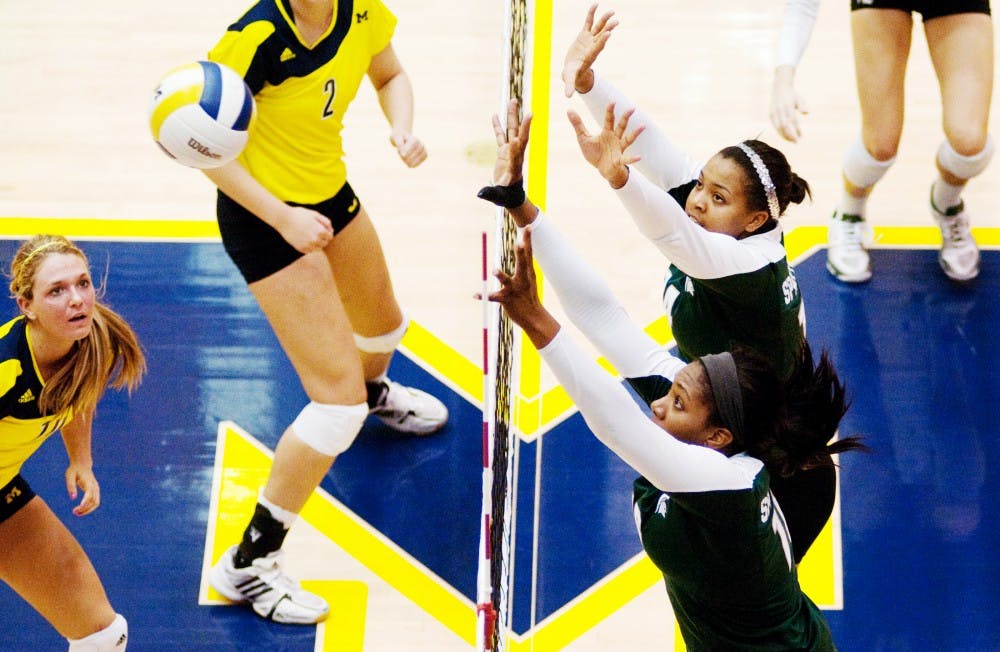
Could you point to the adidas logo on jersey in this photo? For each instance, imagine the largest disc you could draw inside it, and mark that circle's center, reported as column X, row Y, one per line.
column 287, row 54
column 27, row 397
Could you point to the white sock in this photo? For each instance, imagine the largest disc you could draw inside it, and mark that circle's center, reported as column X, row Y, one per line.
column 851, row 205
column 280, row 514
column 945, row 195
column 113, row 638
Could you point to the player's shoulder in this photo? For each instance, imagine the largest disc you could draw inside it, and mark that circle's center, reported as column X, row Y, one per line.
column 769, row 244
column 10, row 337
column 266, row 11
column 11, row 365
column 369, row 13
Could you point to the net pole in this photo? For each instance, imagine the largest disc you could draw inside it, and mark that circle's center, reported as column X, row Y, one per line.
column 485, row 611
column 494, row 586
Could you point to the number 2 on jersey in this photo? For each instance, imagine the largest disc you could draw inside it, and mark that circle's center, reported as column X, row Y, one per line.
column 330, row 88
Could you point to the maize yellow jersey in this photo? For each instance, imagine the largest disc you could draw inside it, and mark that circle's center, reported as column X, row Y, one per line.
column 302, row 92
column 22, row 427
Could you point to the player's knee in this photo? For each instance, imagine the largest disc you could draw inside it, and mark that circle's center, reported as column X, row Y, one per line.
column 965, row 159
column 113, row 638
column 329, row 429
column 385, row 343
column 862, row 168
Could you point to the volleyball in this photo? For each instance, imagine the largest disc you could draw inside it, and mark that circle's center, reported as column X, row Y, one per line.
column 201, row 113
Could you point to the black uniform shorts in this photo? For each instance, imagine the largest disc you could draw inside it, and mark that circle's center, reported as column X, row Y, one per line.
column 928, row 9
column 13, row 496
column 257, row 249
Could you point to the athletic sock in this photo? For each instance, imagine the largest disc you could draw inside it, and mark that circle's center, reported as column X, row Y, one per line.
column 263, row 535
column 945, row 195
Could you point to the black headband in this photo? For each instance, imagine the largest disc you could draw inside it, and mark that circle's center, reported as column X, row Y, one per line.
column 721, row 371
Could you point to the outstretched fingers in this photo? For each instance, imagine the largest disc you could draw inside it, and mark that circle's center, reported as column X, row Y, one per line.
column 521, row 283
column 498, row 131
column 602, row 28
column 609, row 117
column 622, row 124
column 513, row 119
column 588, row 21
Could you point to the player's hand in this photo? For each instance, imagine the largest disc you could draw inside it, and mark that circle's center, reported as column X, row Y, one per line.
column 518, row 294
column 80, row 477
column 606, row 150
column 512, row 142
column 786, row 104
column 305, row 229
column 409, row 147
column 577, row 74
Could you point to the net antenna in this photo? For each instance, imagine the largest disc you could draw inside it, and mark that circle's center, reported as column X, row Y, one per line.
column 494, row 585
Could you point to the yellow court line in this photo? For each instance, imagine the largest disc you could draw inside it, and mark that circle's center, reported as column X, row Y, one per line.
column 530, row 364
column 819, row 577
column 535, row 410
column 242, row 464
column 23, row 227
column 818, row 571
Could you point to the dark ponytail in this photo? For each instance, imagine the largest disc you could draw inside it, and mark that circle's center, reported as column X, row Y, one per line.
column 789, row 425
column 789, row 187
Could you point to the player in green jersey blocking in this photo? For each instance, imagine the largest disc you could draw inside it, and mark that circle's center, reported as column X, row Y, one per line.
column 718, row 223
column 704, row 507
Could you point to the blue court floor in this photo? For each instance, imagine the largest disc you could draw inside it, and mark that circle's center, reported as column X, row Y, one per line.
column 920, row 551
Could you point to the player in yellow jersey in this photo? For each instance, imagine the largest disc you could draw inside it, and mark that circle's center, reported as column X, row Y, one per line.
column 309, row 253
column 56, row 359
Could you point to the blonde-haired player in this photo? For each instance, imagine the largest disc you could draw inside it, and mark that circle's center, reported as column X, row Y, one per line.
column 56, row 359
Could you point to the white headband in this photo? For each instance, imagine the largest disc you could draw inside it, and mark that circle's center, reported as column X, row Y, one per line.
column 773, row 208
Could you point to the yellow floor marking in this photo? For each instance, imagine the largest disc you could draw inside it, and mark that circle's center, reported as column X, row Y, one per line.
column 348, row 603
column 112, row 229
column 242, row 466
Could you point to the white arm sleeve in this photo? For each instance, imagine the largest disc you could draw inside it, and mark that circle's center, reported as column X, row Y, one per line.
column 664, row 163
column 796, row 29
column 697, row 252
column 615, row 418
column 593, row 308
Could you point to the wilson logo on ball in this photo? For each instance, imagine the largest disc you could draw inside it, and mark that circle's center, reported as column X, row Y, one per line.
column 201, row 113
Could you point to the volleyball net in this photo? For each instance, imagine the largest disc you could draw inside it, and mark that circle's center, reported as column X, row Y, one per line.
column 494, row 588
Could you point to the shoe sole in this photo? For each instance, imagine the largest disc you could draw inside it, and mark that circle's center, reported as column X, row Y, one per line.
column 957, row 278
column 418, row 433
column 234, row 596
column 848, row 278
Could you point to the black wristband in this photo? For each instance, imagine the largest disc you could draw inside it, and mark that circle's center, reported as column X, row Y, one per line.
column 509, row 197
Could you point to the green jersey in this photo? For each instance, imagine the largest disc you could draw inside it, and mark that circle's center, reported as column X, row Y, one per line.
column 757, row 306
column 720, row 291
column 726, row 560
column 726, row 557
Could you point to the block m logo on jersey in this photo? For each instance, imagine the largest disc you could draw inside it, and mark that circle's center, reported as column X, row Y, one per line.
column 363, row 16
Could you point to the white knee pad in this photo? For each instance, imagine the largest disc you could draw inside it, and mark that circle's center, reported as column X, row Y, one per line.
column 861, row 168
column 965, row 167
column 386, row 343
column 329, row 429
column 112, row 638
